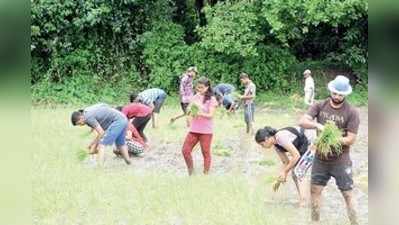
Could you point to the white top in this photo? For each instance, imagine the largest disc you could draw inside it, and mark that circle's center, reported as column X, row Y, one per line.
column 309, row 83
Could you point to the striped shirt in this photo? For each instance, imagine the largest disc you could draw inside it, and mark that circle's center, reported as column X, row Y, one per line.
column 150, row 95
column 186, row 89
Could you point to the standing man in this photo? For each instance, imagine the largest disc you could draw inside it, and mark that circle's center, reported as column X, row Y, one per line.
column 309, row 87
column 248, row 99
column 186, row 91
column 153, row 97
column 346, row 117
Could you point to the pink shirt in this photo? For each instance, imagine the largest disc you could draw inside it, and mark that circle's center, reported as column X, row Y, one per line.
column 200, row 124
column 136, row 110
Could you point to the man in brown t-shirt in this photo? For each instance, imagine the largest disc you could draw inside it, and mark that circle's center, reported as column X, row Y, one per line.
column 346, row 117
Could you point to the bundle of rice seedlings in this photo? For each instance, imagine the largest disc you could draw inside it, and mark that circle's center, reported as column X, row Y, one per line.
column 276, row 184
column 328, row 141
column 270, row 179
column 194, row 110
column 82, row 154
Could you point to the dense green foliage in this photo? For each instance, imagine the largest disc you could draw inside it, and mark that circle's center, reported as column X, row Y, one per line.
column 95, row 49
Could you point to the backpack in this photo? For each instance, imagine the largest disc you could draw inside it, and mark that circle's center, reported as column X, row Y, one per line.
column 301, row 142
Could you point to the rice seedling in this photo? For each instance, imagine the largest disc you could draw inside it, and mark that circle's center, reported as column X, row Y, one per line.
column 194, row 110
column 219, row 150
column 276, row 184
column 82, row 154
column 267, row 163
column 328, row 141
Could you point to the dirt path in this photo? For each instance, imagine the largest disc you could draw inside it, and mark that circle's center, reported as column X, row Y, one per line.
column 246, row 158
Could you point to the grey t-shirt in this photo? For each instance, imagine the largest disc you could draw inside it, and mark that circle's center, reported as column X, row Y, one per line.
column 250, row 89
column 101, row 114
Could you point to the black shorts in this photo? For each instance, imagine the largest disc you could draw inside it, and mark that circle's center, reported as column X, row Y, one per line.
column 184, row 107
column 322, row 171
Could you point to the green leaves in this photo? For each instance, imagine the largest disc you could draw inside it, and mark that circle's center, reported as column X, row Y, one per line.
column 157, row 40
column 164, row 51
column 232, row 29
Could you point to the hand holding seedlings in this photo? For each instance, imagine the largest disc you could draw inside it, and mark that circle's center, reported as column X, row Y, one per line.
column 329, row 140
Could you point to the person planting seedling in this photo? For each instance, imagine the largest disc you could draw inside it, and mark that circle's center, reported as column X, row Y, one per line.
column 154, row 98
column 290, row 144
column 109, row 125
column 139, row 114
column 186, row 91
column 329, row 160
column 135, row 143
column 203, row 106
column 224, row 95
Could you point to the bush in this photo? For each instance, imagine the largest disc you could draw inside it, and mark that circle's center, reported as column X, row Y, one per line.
column 164, row 54
column 272, row 69
column 84, row 89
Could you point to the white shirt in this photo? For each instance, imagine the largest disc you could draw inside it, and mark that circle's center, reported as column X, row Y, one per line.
column 309, row 84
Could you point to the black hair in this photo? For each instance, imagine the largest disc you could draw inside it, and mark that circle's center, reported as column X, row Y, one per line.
column 228, row 106
column 219, row 97
column 132, row 97
column 207, row 83
column 76, row 116
column 119, row 108
column 264, row 133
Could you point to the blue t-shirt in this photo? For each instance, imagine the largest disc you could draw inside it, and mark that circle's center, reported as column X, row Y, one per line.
column 227, row 101
column 223, row 89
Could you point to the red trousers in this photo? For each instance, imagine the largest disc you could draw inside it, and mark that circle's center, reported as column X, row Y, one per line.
column 205, row 141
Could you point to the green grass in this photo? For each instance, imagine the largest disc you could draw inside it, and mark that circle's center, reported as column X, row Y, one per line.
column 67, row 191
column 221, row 151
column 82, row 154
column 267, row 163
